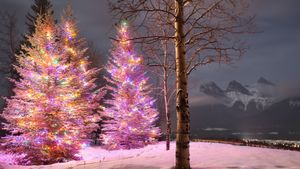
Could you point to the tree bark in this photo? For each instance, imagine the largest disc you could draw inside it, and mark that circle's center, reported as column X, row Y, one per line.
column 182, row 107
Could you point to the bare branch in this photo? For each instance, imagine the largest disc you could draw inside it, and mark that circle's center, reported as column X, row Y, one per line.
column 209, row 9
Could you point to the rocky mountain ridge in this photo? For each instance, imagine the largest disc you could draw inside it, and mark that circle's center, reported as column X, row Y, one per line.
column 259, row 93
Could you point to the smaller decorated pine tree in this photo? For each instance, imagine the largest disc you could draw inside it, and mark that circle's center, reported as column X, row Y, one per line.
column 76, row 49
column 131, row 114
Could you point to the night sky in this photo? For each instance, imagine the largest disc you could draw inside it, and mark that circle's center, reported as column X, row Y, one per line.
column 274, row 52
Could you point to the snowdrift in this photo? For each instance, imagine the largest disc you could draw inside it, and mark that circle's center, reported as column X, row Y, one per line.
column 203, row 156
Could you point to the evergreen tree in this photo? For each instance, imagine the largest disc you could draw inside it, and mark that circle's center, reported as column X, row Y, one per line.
column 39, row 8
column 52, row 111
column 76, row 48
column 131, row 115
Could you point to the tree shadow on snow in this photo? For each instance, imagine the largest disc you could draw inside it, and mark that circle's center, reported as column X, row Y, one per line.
column 230, row 167
column 134, row 167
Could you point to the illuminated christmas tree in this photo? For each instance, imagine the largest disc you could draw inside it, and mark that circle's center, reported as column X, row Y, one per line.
column 76, row 49
column 54, row 104
column 131, row 113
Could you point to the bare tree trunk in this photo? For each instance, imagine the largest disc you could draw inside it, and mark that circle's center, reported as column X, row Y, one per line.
column 182, row 107
column 165, row 89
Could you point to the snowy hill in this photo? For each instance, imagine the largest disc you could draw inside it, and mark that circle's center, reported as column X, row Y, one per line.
column 203, row 155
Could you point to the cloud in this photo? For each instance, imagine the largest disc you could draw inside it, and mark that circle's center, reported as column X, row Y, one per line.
column 286, row 90
column 276, row 47
column 202, row 100
column 278, row 9
column 95, row 22
column 215, row 129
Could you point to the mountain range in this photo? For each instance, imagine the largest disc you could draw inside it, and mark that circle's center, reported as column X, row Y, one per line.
column 245, row 111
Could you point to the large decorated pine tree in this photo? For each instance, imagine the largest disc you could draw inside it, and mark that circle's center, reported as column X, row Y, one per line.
column 53, row 109
column 131, row 111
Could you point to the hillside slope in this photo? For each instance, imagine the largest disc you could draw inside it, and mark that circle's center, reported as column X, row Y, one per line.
column 203, row 155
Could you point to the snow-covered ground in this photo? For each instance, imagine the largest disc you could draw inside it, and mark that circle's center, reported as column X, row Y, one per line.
column 203, row 156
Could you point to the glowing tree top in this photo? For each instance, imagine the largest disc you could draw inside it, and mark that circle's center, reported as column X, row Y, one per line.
column 53, row 108
column 131, row 111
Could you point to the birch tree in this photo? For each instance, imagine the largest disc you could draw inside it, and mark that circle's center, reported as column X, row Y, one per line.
column 161, row 63
column 200, row 31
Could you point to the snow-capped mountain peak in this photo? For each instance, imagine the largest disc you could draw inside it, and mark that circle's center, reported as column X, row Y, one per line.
column 236, row 92
column 264, row 81
column 235, row 86
column 265, row 88
column 212, row 89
